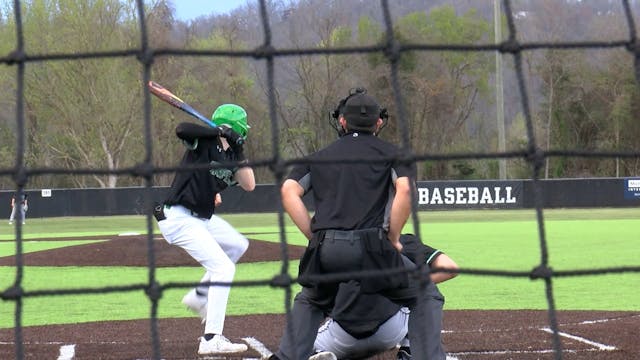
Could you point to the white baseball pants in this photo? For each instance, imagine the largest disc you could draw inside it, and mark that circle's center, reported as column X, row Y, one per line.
column 216, row 245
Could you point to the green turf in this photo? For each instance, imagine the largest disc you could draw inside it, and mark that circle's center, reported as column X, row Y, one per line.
column 490, row 240
column 77, row 226
column 131, row 304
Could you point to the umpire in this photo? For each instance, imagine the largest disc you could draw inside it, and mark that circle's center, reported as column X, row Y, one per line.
column 362, row 197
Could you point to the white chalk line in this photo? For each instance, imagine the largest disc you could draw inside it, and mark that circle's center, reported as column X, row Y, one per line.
column 63, row 343
column 597, row 346
column 258, row 346
column 588, row 322
column 67, row 352
column 583, row 340
column 585, row 322
column 511, row 352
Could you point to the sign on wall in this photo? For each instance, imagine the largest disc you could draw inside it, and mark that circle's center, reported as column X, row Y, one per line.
column 470, row 194
column 632, row 188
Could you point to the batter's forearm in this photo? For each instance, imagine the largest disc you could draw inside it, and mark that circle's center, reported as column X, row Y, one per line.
column 189, row 131
column 246, row 178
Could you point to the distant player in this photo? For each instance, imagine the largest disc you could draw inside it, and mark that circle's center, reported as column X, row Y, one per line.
column 23, row 209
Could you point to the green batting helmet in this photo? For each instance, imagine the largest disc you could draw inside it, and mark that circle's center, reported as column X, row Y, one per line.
column 233, row 116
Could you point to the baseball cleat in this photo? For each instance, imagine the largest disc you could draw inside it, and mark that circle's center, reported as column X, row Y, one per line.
column 324, row 355
column 404, row 353
column 196, row 303
column 219, row 345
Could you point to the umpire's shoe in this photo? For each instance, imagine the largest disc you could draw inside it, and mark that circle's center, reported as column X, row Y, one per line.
column 323, row 355
column 196, row 303
column 404, row 353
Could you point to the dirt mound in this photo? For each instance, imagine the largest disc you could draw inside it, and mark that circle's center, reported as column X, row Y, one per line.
column 134, row 250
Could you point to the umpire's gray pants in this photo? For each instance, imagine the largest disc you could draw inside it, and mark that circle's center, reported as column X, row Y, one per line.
column 332, row 337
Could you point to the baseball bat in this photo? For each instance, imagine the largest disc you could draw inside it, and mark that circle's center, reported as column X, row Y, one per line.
column 168, row 97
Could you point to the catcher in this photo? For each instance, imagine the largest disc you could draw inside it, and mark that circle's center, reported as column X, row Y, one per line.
column 363, row 325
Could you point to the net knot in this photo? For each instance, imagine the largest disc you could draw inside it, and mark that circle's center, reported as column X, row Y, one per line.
column 392, row 51
column 144, row 170
column 511, row 46
column 541, row 272
column 20, row 176
column 154, row 291
column 264, row 52
column 12, row 293
column 16, row 56
column 281, row 281
column 146, row 57
column 536, row 157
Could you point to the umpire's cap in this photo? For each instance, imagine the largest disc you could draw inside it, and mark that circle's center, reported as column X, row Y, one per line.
column 361, row 112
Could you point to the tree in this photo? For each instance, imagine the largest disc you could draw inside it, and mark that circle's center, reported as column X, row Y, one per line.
column 441, row 90
column 86, row 121
column 7, row 100
column 305, row 109
column 208, row 82
column 589, row 99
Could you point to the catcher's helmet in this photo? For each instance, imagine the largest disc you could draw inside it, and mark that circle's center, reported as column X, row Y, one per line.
column 233, row 116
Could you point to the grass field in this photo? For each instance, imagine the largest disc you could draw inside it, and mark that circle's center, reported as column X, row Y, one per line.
column 491, row 240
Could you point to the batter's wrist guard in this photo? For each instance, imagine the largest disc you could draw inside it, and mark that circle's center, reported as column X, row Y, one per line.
column 158, row 212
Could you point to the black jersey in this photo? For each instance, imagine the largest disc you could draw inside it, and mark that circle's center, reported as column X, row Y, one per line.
column 354, row 191
column 196, row 189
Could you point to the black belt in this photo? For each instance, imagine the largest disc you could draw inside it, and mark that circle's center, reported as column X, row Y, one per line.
column 349, row 235
column 158, row 211
column 340, row 235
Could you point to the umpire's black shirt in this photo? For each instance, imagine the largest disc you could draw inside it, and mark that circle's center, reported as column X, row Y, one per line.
column 349, row 194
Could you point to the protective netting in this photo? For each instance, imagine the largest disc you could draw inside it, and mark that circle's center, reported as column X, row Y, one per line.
column 267, row 52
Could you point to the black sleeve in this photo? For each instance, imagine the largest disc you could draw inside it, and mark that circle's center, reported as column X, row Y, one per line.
column 413, row 248
column 404, row 169
column 431, row 254
column 302, row 174
column 189, row 132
